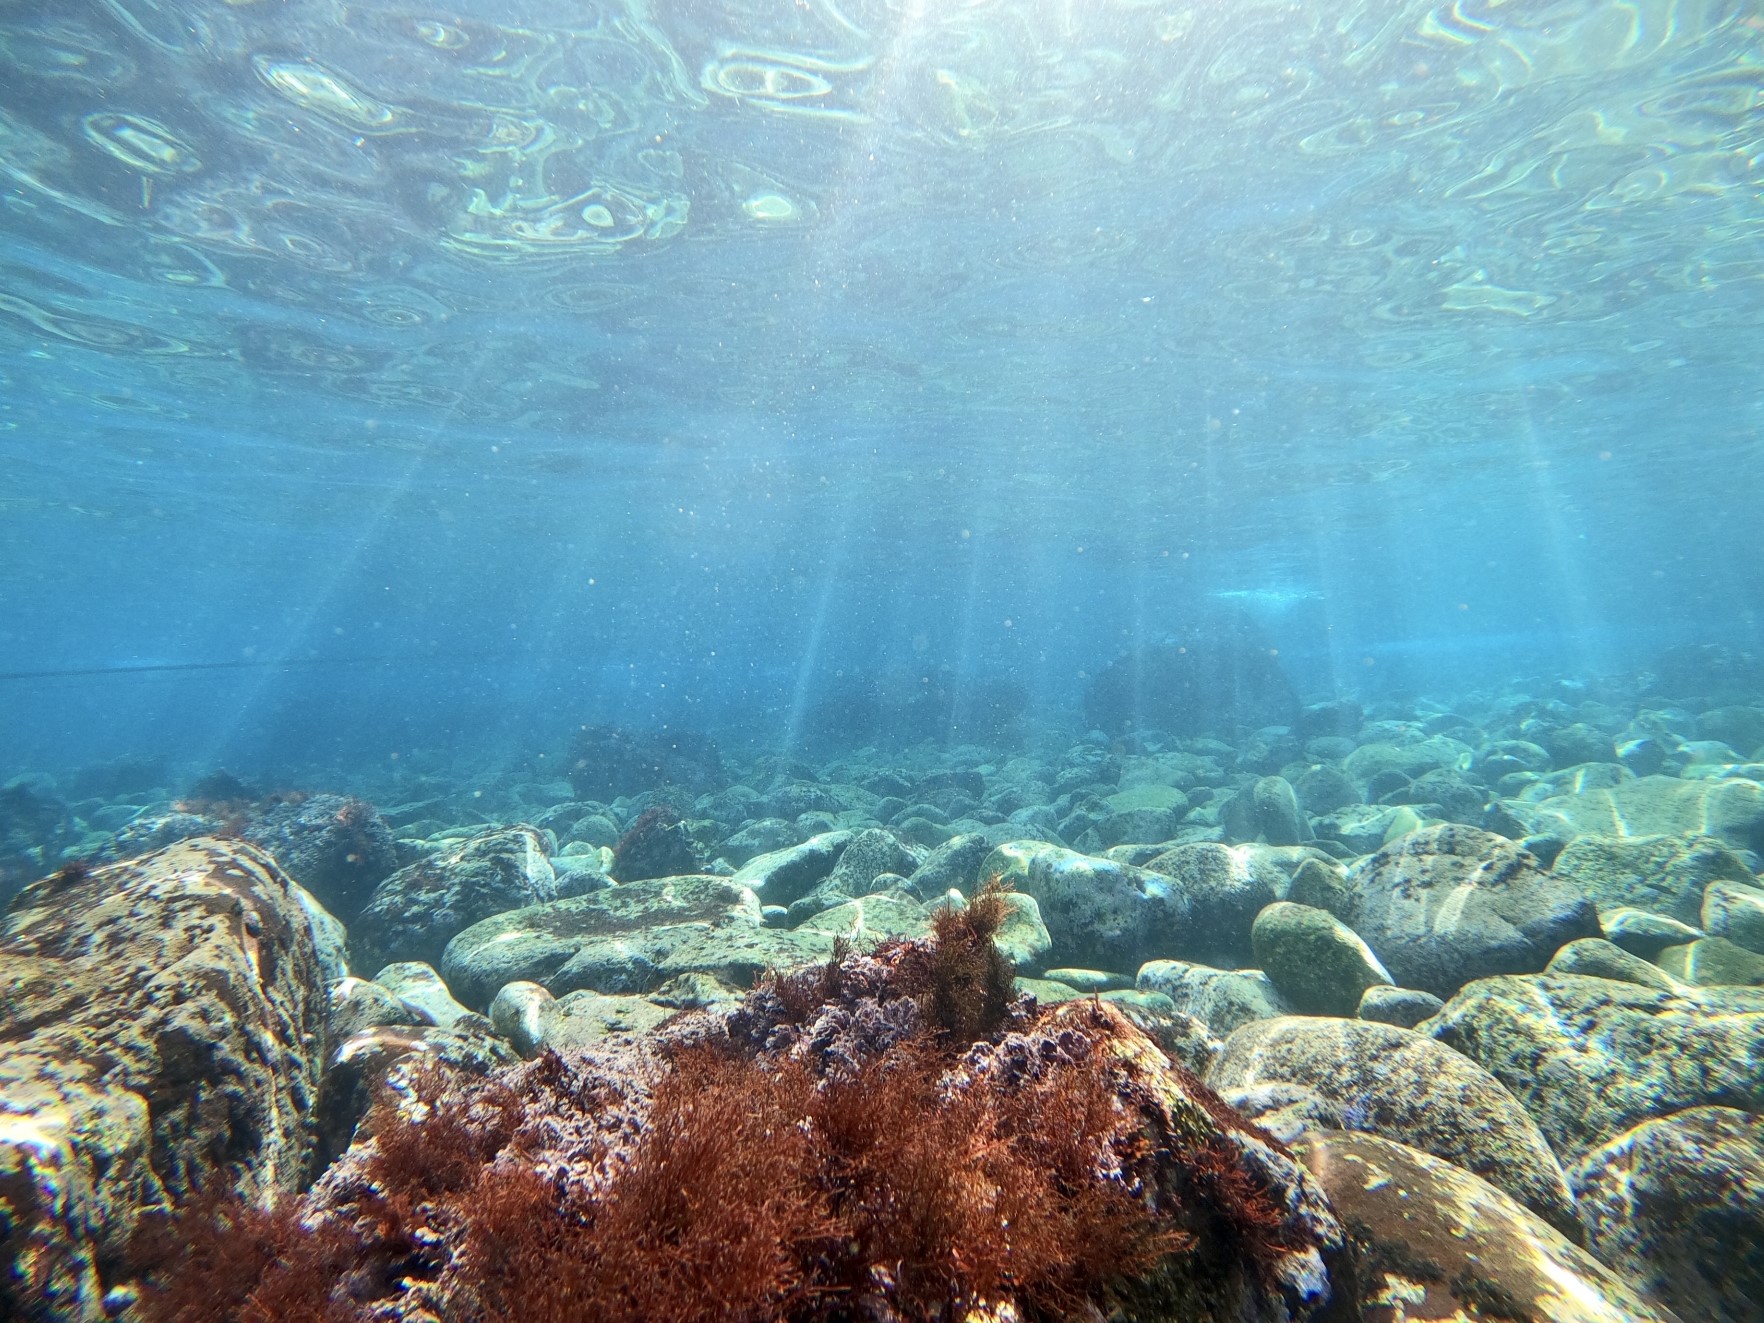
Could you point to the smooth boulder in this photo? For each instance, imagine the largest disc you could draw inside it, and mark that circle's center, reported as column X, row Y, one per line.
column 1448, row 904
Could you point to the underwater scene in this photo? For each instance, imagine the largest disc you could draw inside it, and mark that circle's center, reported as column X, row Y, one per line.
column 979, row 661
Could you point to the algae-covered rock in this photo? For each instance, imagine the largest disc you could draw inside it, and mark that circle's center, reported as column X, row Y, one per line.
column 1661, row 874
column 1644, row 934
column 626, row 939
column 1223, row 888
column 1449, row 904
column 417, row 984
column 1591, row 1057
column 1404, row 1086
column 1433, row 1242
column 415, row 912
column 1318, row 963
column 1593, row 957
column 1222, row 999
column 1677, row 1205
column 161, row 1028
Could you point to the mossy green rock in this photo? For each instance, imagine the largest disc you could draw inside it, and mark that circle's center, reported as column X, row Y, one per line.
column 1591, row 1057
column 1661, row 874
column 1437, row 1244
column 1403, row 1085
column 1729, row 808
column 1450, row 903
column 1318, row 963
column 630, row 938
column 1712, row 962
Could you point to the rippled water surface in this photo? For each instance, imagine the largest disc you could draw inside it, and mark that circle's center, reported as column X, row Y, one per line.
column 795, row 335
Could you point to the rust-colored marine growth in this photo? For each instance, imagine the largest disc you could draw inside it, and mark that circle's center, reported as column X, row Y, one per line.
column 949, row 1159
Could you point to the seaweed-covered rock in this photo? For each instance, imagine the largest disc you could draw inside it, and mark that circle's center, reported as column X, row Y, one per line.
column 847, row 1134
column 658, row 843
column 1433, row 1243
column 1677, row 1204
column 1449, row 904
column 1222, row 888
column 1590, row 1057
column 626, row 939
column 1100, row 914
column 1404, row 1086
column 1660, row 874
column 416, row 912
column 161, row 1025
column 954, row 864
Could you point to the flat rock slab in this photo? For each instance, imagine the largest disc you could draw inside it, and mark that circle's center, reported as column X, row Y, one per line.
column 1591, row 1057
column 1660, row 874
column 1729, row 808
column 627, row 939
column 1436, row 1243
column 161, row 1027
column 1404, row 1086
column 1677, row 1204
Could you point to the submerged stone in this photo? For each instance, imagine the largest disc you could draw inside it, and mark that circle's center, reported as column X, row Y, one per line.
column 161, row 1024
column 1434, row 1243
column 1590, row 1057
column 1404, row 1086
column 1677, row 1204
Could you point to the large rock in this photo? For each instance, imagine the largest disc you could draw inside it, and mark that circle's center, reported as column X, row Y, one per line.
column 1591, row 1057
column 1448, row 904
column 1221, row 999
column 1735, row 910
column 416, row 912
column 1730, row 808
column 161, row 1028
column 1432, row 1242
column 781, row 876
column 1404, row 1086
column 631, row 938
column 336, row 846
column 1223, row 888
column 1099, row 914
column 1659, row 874
column 869, row 855
column 1677, row 1204
column 1319, row 964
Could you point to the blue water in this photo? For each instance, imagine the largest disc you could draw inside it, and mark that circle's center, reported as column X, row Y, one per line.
column 451, row 376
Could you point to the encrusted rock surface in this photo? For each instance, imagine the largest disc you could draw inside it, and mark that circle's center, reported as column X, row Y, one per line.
column 1404, row 1086
column 1591, row 1057
column 161, row 1027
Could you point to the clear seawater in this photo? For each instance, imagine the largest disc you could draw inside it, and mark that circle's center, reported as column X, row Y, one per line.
column 377, row 376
